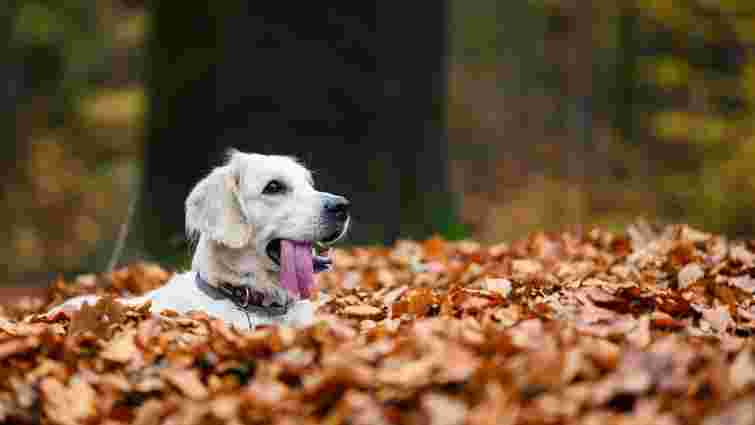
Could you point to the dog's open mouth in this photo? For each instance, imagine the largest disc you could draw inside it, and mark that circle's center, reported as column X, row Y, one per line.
column 320, row 261
column 298, row 260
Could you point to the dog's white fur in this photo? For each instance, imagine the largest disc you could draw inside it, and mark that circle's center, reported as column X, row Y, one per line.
column 234, row 221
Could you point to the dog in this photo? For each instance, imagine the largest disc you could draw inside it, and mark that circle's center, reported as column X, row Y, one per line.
column 256, row 221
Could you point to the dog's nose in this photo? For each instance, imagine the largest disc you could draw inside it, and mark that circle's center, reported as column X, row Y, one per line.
column 338, row 207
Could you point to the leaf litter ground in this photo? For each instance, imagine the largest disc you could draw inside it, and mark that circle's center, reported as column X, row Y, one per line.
column 650, row 327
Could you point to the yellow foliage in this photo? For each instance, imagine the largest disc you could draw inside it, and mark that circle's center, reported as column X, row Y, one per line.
column 673, row 13
column 739, row 171
column 683, row 126
column 671, row 125
column 37, row 23
column 131, row 31
column 748, row 81
column 121, row 107
column 668, row 72
column 732, row 6
column 745, row 29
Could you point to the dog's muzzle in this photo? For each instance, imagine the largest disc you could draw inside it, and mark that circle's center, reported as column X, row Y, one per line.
column 336, row 216
column 337, row 207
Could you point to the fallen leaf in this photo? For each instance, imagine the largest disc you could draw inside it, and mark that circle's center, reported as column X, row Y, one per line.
column 362, row 311
column 745, row 283
column 67, row 405
column 18, row 346
column 225, row 408
column 525, row 267
column 742, row 371
column 150, row 413
column 363, row 409
column 98, row 319
column 186, row 381
column 443, row 410
column 499, row 286
column 740, row 254
column 719, row 318
column 640, row 336
column 551, row 328
column 268, row 394
column 738, row 412
column 121, row 348
column 690, row 274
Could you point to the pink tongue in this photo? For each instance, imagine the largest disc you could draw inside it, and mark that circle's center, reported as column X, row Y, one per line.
column 296, row 267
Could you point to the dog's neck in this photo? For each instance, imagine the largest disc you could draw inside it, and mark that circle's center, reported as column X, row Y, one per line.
column 217, row 264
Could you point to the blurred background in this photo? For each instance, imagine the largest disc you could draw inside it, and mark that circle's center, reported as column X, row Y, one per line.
column 478, row 118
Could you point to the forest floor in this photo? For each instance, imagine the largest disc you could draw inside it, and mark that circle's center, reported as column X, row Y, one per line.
column 654, row 326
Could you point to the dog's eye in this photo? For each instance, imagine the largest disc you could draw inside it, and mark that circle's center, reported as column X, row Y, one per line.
column 274, row 187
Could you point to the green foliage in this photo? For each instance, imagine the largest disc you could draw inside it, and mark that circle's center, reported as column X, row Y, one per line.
column 454, row 230
column 674, row 79
column 473, row 30
column 79, row 111
column 57, row 38
column 696, row 71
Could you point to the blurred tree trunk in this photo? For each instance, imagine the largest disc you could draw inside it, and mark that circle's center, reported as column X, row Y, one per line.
column 578, row 86
column 356, row 90
column 10, row 75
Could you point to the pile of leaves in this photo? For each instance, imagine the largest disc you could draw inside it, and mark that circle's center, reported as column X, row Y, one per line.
column 651, row 327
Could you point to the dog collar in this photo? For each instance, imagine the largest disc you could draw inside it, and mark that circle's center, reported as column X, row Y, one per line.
column 243, row 297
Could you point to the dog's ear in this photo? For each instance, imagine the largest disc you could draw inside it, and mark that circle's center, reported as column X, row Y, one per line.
column 213, row 208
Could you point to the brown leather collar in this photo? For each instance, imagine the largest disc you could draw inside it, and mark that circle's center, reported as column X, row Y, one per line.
column 245, row 297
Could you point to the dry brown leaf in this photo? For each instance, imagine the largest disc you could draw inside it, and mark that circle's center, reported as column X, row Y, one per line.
column 718, row 317
column 266, row 394
column 495, row 409
column 121, row 348
column 457, row 364
column 499, row 286
column 740, row 254
column 363, row 311
column 738, row 412
column 188, row 414
column 742, row 371
column 690, row 274
column 443, row 410
column 549, row 329
column 408, row 374
column 525, row 267
column 745, row 283
column 149, row 413
column 17, row 346
column 363, row 409
column 99, row 319
column 67, row 405
column 186, row 381
column 640, row 336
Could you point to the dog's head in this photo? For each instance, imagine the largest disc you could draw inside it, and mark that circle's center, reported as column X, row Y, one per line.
column 260, row 202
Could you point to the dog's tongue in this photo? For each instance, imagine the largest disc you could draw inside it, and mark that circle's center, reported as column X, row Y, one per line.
column 296, row 267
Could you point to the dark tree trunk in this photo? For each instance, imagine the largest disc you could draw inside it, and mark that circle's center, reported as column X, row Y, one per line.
column 11, row 74
column 356, row 90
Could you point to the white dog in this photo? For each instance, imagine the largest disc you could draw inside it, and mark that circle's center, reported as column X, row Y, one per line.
column 257, row 219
